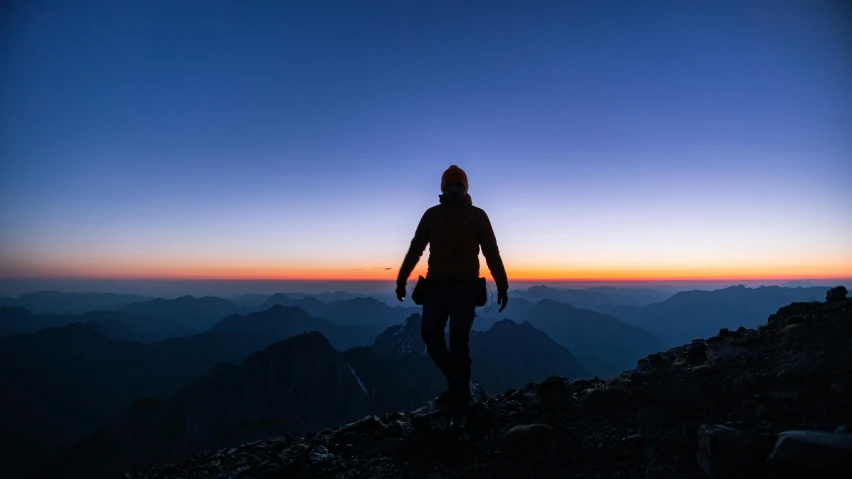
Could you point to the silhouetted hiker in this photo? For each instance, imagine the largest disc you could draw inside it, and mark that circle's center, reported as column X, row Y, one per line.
column 455, row 230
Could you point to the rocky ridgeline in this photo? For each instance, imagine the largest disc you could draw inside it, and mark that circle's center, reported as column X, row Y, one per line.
column 773, row 402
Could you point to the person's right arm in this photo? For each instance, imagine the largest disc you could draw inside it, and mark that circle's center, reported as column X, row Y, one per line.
column 415, row 250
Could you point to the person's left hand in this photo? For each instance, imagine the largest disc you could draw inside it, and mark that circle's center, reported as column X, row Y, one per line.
column 502, row 299
column 400, row 291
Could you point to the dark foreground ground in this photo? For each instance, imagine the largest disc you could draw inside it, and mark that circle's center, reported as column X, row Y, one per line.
column 721, row 408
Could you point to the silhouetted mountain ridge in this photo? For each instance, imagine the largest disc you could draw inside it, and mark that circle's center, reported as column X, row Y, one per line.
column 92, row 373
column 616, row 344
column 55, row 302
column 694, row 314
column 293, row 386
column 589, row 298
column 302, row 383
column 113, row 324
column 716, row 408
column 346, row 312
column 198, row 314
column 281, row 322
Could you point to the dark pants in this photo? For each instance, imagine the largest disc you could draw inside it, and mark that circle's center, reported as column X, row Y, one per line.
column 453, row 302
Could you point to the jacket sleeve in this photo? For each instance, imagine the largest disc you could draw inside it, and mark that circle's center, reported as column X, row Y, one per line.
column 488, row 242
column 418, row 245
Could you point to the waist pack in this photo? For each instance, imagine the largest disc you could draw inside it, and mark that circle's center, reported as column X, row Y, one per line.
column 479, row 289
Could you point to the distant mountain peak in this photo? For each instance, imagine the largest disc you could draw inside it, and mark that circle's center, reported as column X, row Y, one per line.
column 402, row 338
column 540, row 287
column 510, row 325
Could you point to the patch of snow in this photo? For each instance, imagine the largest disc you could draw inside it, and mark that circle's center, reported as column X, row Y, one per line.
column 404, row 345
column 358, row 379
column 401, row 327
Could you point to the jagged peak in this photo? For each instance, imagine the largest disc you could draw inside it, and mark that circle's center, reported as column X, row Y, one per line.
column 507, row 324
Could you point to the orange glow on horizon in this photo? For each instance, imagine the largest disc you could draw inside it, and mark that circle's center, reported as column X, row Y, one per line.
column 518, row 275
column 355, row 270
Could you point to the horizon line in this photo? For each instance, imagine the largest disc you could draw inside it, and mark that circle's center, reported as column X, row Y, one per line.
column 594, row 279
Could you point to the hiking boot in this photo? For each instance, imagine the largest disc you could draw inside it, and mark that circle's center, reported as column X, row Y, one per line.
column 460, row 409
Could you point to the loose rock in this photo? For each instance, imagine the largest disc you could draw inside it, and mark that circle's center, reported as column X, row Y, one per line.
column 837, row 293
column 697, row 352
column 811, row 454
column 727, row 453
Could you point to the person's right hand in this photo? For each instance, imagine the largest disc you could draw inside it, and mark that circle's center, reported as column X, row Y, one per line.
column 400, row 291
column 502, row 299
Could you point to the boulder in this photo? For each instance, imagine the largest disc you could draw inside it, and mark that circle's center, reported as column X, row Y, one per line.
column 656, row 360
column 811, row 454
column 727, row 453
column 837, row 293
column 555, row 391
column 320, row 454
column 697, row 352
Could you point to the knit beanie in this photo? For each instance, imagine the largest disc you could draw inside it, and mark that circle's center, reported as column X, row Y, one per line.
column 454, row 174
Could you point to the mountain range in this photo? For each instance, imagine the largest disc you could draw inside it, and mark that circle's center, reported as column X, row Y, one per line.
column 292, row 386
column 55, row 302
column 198, row 314
column 281, row 322
column 302, row 384
column 158, row 319
column 771, row 402
column 95, row 376
column 605, row 344
column 352, row 311
column 590, row 298
column 63, row 376
column 113, row 324
column 696, row 314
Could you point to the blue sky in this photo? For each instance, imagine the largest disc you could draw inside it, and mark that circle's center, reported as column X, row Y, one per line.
column 301, row 139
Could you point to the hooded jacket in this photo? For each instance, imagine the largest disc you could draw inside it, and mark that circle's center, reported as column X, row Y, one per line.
column 455, row 231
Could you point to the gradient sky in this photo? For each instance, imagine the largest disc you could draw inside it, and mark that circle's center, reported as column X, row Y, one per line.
column 605, row 139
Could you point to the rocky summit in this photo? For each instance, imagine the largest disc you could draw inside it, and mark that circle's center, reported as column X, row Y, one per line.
column 772, row 402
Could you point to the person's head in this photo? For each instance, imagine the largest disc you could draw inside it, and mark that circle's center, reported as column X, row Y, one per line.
column 454, row 182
